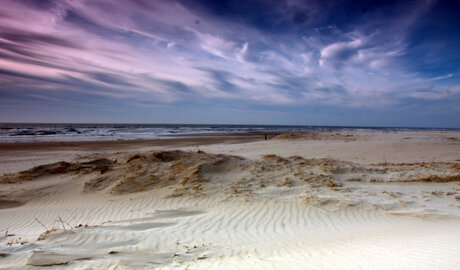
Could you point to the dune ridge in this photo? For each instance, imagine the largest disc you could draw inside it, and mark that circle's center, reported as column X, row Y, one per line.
column 326, row 182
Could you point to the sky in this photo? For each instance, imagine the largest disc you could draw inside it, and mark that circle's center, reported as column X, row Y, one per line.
column 292, row 62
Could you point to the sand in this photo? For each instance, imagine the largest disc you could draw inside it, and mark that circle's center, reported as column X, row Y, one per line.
column 329, row 200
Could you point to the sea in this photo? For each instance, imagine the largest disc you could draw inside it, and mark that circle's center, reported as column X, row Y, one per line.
column 36, row 132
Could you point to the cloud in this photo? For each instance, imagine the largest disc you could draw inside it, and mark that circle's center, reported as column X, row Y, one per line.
column 36, row 39
column 216, row 45
column 450, row 75
column 260, row 53
column 110, row 79
column 337, row 53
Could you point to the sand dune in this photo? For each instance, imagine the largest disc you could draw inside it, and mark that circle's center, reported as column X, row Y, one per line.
column 326, row 182
column 193, row 209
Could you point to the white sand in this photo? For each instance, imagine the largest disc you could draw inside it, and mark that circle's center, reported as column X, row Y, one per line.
column 234, row 213
column 362, row 147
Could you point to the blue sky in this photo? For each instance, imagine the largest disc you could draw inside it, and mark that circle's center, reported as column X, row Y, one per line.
column 378, row 63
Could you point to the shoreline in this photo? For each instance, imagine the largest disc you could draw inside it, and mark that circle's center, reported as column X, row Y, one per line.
column 195, row 139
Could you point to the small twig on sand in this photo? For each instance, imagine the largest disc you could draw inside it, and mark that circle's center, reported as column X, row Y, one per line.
column 46, row 228
column 62, row 222
column 7, row 234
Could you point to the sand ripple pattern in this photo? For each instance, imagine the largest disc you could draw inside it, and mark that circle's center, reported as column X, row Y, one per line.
column 190, row 210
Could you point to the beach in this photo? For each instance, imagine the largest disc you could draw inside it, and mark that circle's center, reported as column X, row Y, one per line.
column 347, row 199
